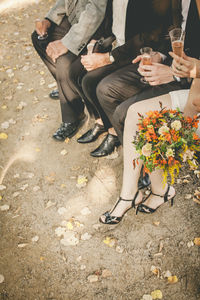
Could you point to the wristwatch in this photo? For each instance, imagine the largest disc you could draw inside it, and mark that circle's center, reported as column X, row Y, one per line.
column 111, row 58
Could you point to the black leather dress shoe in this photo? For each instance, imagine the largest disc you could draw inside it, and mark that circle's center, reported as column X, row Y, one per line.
column 107, row 146
column 67, row 130
column 54, row 95
column 92, row 134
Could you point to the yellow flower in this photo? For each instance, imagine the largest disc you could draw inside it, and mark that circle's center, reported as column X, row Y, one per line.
column 163, row 129
column 176, row 125
column 146, row 149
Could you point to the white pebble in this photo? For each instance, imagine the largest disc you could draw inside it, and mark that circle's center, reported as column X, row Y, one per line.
column 1, row 278
column 62, row 211
column 85, row 211
column 2, row 187
column 4, row 207
column 35, row 239
column 86, row 236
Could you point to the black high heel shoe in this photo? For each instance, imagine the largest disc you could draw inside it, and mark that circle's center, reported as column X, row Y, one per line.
column 148, row 210
column 112, row 220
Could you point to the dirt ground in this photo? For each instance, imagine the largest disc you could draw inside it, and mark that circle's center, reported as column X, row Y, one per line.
column 52, row 245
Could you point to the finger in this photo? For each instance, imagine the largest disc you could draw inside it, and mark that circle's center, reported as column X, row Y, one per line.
column 137, row 59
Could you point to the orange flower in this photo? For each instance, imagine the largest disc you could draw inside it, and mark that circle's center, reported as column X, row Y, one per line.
column 195, row 137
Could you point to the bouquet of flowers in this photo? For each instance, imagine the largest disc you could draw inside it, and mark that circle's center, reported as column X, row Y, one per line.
column 165, row 140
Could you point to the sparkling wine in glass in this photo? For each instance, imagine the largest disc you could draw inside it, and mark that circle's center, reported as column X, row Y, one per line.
column 38, row 24
column 177, row 36
column 146, row 53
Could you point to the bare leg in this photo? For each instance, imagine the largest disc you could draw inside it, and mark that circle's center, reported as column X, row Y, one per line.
column 130, row 174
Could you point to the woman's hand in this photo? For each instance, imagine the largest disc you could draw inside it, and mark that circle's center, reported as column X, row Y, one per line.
column 185, row 66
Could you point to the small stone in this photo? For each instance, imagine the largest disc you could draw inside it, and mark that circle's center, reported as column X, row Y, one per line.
column 36, row 188
column 1, row 278
column 35, row 239
column 69, row 239
column 119, row 249
column 4, row 207
column 85, row 211
column 86, row 236
column 25, row 68
column 52, row 85
column 79, row 258
column 5, row 125
column 59, row 231
column 82, row 267
column 22, row 245
column 24, row 187
column 188, row 196
column 190, row 244
column 2, row 187
column 93, row 278
column 63, row 152
column 62, row 211
column 167, row 274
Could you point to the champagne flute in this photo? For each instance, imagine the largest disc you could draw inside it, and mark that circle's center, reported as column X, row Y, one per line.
column 177, row 36
column 38, row 24
column 146, row 53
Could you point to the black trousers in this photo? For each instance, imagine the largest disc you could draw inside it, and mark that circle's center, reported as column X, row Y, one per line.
column 86, row 84
column 72, row 106
column 117, row 91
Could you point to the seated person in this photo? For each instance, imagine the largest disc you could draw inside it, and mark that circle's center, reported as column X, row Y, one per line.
column 130, row 195
column 134, row 27
column 70, row 26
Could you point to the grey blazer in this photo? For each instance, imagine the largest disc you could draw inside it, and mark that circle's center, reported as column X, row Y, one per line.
column 85, row 16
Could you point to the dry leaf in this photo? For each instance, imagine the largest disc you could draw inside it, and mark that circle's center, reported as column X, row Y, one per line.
column 197, row 241
column 156, row 223
column 67, row 140
column 4, row 106
column 0, row 198
column 3, row 136
column 37, row 149
column 69, row 226
column 81, row 181
column 157, row 294
column 109, row 241
column 155, row 270
column 172, row 279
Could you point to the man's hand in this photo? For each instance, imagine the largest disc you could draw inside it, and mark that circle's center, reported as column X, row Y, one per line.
column 156, row 74
column 56, row 49
column 156, row 57
column 41, row 27
column 185, row 66
column 95, row 60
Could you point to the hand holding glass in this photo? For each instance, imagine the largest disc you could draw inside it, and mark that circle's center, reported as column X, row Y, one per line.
column 146, row 53
column 39, row 25
column 177, row 36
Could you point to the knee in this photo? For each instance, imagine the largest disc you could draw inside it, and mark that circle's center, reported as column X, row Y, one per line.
column 88, row 84
column 132, row 115
column 62, row 68
column 105, row 91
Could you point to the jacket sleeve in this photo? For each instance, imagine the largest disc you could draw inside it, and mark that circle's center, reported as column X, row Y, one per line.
column 56, row 12
column 90, row 19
